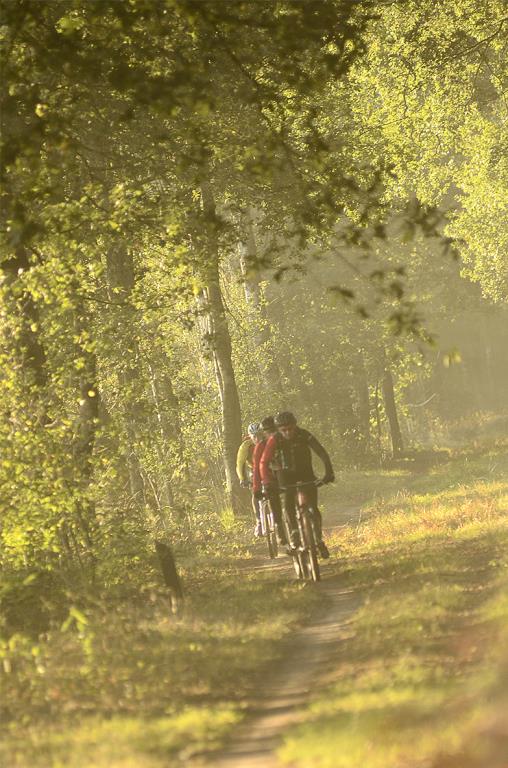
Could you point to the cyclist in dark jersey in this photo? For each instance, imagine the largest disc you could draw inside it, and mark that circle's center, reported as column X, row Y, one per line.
column 289, row 453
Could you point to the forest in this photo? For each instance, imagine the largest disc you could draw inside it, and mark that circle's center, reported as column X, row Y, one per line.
column 214, row 211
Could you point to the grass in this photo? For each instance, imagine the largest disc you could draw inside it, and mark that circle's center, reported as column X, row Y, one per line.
column 123, row 741
column 119, row 683
column 417, row 684
column 125, row 684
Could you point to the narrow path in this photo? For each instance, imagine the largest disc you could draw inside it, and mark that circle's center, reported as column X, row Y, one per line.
column 307, row 659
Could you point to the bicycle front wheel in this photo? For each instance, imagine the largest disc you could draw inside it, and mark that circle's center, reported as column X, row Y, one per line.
column 299, row 565
column 313, row 570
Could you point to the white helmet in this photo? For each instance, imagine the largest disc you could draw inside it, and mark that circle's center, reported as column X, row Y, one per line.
column 254, row 428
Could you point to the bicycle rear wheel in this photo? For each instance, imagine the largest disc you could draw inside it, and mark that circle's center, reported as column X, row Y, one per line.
column 273, row 548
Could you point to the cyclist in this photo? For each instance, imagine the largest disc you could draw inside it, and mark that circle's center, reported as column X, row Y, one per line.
column 290, row 450
column 244, row 468
column 272, row 490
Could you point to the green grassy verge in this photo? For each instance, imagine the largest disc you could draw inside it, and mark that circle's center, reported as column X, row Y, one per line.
column 421, row 682
column 123, row 684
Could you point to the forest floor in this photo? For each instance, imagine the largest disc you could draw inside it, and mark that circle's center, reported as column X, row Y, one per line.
column 406, row 665
column 397, row 658
column 285, row 687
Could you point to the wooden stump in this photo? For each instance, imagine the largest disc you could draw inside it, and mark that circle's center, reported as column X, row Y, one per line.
column 170, row 574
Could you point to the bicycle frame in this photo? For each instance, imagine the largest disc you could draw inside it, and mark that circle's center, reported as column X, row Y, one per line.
column 268, row 529
column 266, row 517
column 305, row 557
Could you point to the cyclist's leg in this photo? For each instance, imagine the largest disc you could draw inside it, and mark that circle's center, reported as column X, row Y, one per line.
column 290, row 510
column 276, row 507
column 311, row 492
column 257, row 513
column 312, row 495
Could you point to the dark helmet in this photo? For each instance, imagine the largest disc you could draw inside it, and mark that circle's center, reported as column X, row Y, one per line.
column 284, row 419
column 268, row 424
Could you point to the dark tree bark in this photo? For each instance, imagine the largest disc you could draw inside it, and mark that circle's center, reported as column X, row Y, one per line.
column 170, row 574
column 391, row 411
column 217, row 344
column 121, row 280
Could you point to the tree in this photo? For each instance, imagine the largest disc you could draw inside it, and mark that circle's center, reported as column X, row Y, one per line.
column 218, row 342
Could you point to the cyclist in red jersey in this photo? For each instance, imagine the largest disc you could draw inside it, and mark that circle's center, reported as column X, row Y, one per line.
column 271, row 491
column 289, row 453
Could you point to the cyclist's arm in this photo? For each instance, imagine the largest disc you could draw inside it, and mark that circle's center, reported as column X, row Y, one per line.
column 320, row 451
column 266, row 458
column 241, row 460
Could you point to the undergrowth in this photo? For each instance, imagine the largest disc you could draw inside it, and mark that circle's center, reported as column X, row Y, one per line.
column 119, row 682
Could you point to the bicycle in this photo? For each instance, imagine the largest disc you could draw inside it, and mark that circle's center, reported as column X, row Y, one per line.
column 268, row 527
column 305, row 556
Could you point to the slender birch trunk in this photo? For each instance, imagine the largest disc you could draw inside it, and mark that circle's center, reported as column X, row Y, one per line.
column 362, row 398
column 84, row 441
column 217, row 342
column 249, row 263
column 170, row 449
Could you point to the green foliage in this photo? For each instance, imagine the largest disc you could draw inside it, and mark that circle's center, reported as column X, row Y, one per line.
column 437, row 122
column 348, row 150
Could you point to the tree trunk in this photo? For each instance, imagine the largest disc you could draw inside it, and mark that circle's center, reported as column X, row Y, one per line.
column 379, row 435
column 391, row 411
column 217, row 343
column 347, row 417
column 88, row 419
column 165, row 400
column 294, row 394
column 249, row 265
column 121, row 279
column 168, row 418
column 362, row 398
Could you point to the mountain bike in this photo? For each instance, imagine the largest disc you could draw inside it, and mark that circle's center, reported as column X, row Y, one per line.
column 268, row 527
column 305, row 556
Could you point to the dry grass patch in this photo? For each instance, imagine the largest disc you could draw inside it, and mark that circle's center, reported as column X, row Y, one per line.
column 418, row 679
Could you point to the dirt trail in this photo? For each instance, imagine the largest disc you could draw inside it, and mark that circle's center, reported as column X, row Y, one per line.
column 287, row 686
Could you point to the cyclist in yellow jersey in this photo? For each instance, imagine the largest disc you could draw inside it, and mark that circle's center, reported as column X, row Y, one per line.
column 244, row 467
